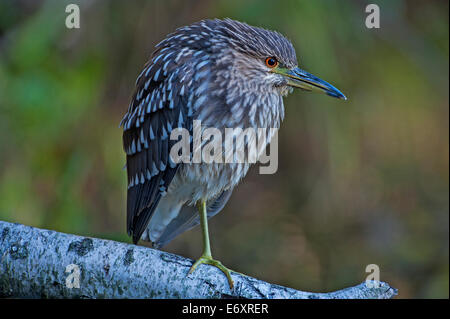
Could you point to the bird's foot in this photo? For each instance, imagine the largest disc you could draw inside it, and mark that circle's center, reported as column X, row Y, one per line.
column 210, row 261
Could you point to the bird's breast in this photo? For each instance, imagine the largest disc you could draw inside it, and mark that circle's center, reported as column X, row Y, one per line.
column 252, row 120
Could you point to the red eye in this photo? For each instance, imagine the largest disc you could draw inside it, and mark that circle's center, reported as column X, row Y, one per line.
column 271, row 62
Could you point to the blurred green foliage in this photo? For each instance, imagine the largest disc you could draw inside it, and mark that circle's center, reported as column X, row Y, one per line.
column 359, row 182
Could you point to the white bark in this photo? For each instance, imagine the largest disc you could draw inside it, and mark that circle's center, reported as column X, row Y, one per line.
column 33, row 264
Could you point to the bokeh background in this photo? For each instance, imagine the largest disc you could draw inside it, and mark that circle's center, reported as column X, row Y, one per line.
column 360, row 182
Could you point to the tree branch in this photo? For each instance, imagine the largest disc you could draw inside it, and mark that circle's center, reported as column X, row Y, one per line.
column 33, row 263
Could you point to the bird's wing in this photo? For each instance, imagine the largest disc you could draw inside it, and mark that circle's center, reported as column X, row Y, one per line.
column 188, row 218
column 159, row 105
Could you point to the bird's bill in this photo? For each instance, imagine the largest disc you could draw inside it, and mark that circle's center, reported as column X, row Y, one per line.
column 301, row 79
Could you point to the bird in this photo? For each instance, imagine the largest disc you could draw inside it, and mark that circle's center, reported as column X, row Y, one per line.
column 226, row 74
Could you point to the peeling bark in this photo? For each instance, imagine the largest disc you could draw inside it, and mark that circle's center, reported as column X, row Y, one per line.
column 33, row 264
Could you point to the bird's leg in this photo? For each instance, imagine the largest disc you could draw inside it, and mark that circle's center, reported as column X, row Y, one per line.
column 206, row 257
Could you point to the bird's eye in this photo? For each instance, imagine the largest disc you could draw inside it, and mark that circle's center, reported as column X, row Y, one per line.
column 271, row 62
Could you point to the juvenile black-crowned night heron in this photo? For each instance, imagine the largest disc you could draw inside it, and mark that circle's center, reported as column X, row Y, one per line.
column 226, row 74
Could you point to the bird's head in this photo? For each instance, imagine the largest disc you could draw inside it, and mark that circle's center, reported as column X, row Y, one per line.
column 265, row 59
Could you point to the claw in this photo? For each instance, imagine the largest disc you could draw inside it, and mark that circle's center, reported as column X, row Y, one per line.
column 210, row 261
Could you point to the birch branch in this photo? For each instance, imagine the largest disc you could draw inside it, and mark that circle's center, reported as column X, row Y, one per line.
column 37, row 263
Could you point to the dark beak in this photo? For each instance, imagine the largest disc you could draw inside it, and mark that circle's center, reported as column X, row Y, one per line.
column 306, row 81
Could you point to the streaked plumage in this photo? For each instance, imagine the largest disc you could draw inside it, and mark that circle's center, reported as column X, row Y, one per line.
column 212, row 71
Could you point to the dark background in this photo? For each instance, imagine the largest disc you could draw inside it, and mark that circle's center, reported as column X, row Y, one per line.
column 360, row 182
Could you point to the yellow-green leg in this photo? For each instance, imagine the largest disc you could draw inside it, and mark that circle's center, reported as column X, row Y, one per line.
column 206, row 257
